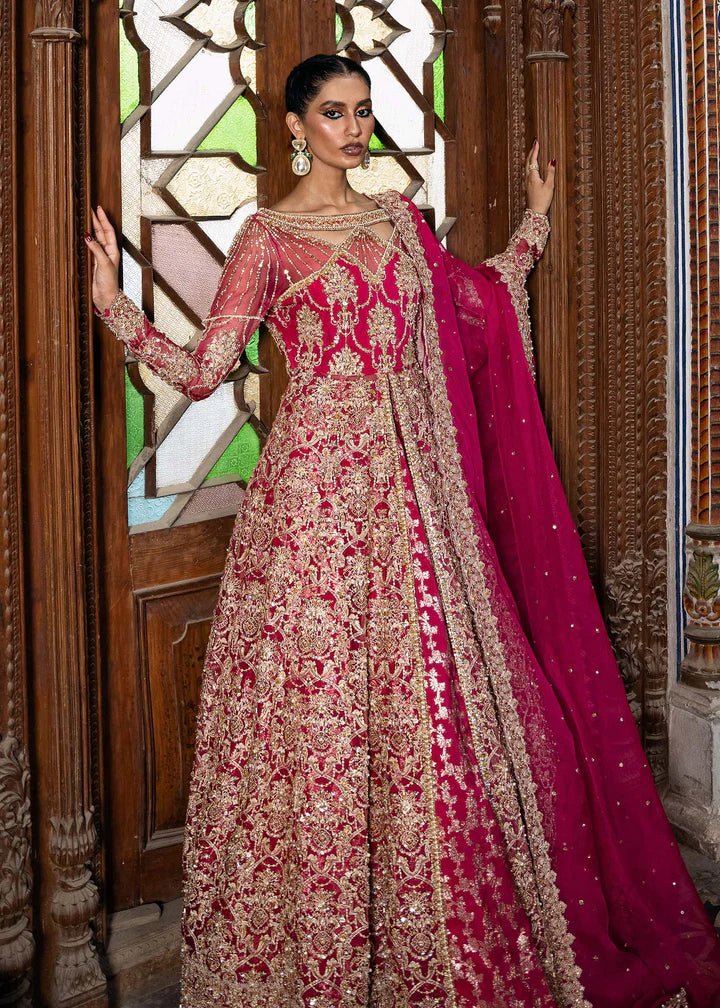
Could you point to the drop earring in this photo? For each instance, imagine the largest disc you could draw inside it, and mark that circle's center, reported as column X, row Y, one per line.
column 366, row 160
column 301, row 157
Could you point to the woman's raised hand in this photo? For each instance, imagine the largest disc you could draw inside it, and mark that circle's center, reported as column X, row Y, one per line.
column 106, row 259
column 539, row 191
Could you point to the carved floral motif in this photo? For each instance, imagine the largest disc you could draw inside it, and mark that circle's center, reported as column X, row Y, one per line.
column 546, row 24
column 53, row 14
column 624, row 595
column 492, row 18
column 16, row 941
column 701, row 598
column 73, row 841
column 702, row 587
column 701, row 667
column 637, row 623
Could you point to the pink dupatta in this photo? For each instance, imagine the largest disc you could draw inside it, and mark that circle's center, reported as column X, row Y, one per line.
column 639, row 932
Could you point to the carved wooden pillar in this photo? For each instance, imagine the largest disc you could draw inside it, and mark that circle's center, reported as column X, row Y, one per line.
column 16, row 940
column 694, row 802
column 67, row 838
column 701, row 667
column 549, row 113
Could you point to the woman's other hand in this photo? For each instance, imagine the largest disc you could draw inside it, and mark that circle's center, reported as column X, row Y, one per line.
column 539, row 191
column 106, row 260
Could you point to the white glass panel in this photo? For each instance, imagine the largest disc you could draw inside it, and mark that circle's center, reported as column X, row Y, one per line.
column 193, row 438
column 184, row 106
column 167, row 44
column 222, row 232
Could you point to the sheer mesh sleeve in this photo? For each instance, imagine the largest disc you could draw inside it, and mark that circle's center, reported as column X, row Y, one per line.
column 515, row 263
column 248, row 286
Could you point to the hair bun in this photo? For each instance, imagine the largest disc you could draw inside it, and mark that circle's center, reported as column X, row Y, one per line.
column 307, row 78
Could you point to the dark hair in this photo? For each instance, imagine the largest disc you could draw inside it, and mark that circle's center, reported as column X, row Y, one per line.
column 305, row 80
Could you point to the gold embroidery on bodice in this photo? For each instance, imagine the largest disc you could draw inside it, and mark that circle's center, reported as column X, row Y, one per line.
column 350, row 303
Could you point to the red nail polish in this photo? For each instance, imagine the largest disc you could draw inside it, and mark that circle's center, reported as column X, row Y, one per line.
column 553, row 162
column 87, row 236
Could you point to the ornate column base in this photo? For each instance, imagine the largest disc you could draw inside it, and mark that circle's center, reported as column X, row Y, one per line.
column 693, row 799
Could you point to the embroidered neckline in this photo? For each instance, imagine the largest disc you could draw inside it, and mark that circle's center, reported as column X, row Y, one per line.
column 329, row 222
column 340, row 255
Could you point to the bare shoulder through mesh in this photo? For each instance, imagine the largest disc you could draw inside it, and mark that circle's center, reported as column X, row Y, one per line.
column 307, row 243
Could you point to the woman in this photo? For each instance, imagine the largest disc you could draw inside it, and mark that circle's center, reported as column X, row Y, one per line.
column 417, row 781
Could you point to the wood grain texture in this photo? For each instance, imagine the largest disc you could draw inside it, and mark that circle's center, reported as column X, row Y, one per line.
column 469, row 145
column 630, row 353
column 173, row 626
column 587, row 277
column 61, row 550
column 17, row 945
column 701, row 667
column 552, row 287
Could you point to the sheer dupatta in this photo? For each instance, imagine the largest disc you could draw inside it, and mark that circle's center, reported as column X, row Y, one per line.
column 636, row 925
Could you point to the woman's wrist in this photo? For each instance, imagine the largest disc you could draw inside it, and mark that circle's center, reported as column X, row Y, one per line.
column 104, row 307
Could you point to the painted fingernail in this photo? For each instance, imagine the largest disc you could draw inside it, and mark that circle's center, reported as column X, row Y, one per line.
column 553, row 162
column 88, row 237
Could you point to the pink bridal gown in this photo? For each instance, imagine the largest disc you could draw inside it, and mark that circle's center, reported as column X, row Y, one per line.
column 417, row 782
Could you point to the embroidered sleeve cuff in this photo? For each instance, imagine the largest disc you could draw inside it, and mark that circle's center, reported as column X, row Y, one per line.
column 123, row 317
column 531, row 234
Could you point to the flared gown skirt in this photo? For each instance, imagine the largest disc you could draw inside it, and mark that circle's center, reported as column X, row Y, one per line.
column 342, row 847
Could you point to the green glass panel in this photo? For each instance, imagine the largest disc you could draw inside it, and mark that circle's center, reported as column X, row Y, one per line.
column 338, row 29
column 134, row 420
column 240, row 457
column 236, row 131
column 376, row 143
column 439, row 4
column 439, row 85
column 252, row 348
column 129, row 83
column 250, row 19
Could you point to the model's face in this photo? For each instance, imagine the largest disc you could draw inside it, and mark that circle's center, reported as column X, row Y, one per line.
column 338, row 123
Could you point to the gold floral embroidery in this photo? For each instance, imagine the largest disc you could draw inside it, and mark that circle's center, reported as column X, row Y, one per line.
column 311, row 628
column 123, row 317
column 525, row 248
column 406, row 279
column 382, row 330
column 339, row 285
column 323, row 222
column 421, row 703
column 505, row 766
column 310, row 337
column 346, row 362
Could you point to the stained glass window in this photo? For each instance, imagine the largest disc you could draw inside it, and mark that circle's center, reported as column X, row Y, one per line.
column 189, row 162
column 189, row 153
column 401, row 47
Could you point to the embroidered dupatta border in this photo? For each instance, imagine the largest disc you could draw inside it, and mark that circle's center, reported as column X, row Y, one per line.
column 511, row 788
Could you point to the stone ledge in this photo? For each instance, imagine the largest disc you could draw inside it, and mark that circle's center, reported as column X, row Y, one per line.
column 698, row 828
column 143, row 952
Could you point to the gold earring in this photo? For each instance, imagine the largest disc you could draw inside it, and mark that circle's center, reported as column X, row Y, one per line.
column 366, row 160
column 301, row 157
